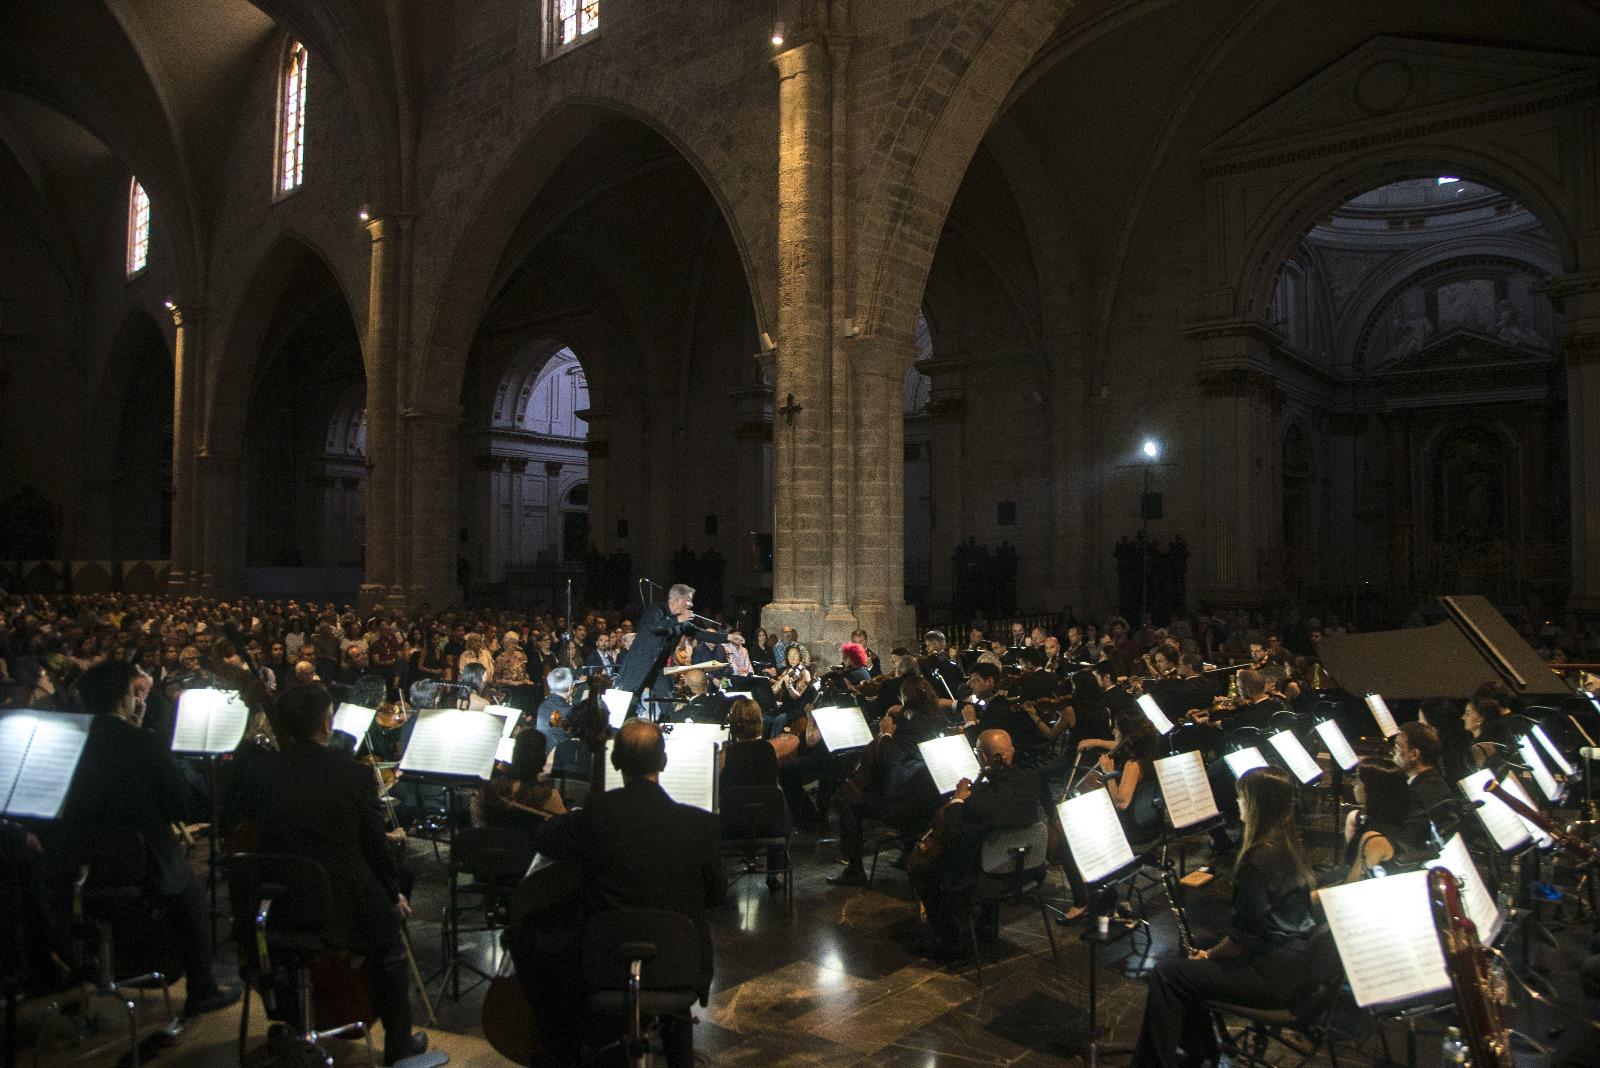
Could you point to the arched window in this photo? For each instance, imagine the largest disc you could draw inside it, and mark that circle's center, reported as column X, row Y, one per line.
column 570, row 21
column 138, row 227
column 292, row 127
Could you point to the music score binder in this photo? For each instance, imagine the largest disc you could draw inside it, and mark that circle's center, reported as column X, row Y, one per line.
column 1185, row 790
column 209, row 722
column 1242, row 760
column 1094, row 834
column 1384, row 932
column 1339, row 747
column 1475, row 895
column 1153, row 713
column 617, row 703
column 692, row 771
column 1556, row 756
column 453, row 743
column 39, row 753
column 842, row 728
column 949, row 760
column 1508, row 831
column 1541, row 837
column 1541, row 774
column 1381, row 713
column 354, row 720
column 1306, row 769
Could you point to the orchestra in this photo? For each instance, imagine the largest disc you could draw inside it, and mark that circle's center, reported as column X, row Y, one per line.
column 1057, row 715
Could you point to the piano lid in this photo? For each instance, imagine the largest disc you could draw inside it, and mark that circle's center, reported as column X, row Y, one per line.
column 1450, row 659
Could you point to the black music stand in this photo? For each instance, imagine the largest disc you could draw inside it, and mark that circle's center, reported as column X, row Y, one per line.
column 1117, row 929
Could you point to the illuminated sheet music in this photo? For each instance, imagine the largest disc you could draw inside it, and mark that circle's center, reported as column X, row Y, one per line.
column 354, row 720
column 1502, row 824
column 842, row 728
column 1185, row 790
column 949, row 760
column 1338, row 745
column 715, row 733
column 1094, row 835
column 616, row 702
column 1305, row 768
column 1475, row 896
column 455, row 742
column 1153, row 713
column 39, row 753
column 1541, row 774
column 504, row 749
column 1243, row 760
column 1512, row 785
column 1384, row 932
column 1556, row 756
column 690, row 777
column 1381, row 713
column 209, row 721
column 507, row 715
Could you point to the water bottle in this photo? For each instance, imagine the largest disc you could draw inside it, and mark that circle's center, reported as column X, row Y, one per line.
column 1454, row 1051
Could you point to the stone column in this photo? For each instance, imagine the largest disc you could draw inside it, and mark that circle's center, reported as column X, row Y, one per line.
column 874, row 543
column 947, row 413
column 1577, row 298
column 430, row 487
column 222, row 546
column 1237, row 562
column 753, row 433
column 184, row 575
column 383, row 407
column 597, row 446
column 1073, row 461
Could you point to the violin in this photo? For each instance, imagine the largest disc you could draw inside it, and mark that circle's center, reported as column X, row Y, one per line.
column 392, row 715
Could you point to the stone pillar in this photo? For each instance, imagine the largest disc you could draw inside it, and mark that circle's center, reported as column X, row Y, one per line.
column 1072, row 458
column 222, row 546
column 597, row 445
column 184, row 575
column 947, row 413
column 1577, row 298
column 753, row 434
column 1238, row 561
column 383, row 407
column 874, row 498
column 1403, row 530
column 430, row 489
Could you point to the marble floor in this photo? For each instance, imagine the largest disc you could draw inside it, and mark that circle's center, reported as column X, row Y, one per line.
column 836, row 984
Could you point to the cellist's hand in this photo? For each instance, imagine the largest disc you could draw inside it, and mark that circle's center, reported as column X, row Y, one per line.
column 886, row 726
column 402, row 906
column 963, row 790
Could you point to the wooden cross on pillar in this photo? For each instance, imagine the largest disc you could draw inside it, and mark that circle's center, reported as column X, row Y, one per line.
column 790, row 409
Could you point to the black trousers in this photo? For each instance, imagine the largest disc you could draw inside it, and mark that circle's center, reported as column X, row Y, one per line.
column 188, row 913
column 1173, row 1019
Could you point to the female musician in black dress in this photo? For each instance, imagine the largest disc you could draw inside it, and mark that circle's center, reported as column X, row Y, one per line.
column 1376, row 836
column 1260, row 961
column 749, row 760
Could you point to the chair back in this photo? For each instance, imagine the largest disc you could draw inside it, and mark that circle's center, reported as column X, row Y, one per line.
column 1015, row 852
column 111, row 857
column 298, row 889
column 666, row 942
column 753, row 812
column 492, row 853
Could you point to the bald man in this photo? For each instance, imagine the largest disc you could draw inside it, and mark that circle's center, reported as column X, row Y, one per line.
column 1005, row 797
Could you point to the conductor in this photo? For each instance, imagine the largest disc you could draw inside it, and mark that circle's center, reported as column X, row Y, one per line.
column 657, row 635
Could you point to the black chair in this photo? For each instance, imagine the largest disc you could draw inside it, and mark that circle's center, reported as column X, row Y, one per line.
column 1013, row 866
column 493, row 861
column 280, row 909
column 755, row 828
column 105, row 866
column 640, row 965
column 1304, row 1029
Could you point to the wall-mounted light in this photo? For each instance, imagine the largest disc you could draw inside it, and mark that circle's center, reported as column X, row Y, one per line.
column 1151, row 449
column 167, row 304
column 777, row 35
column 364, row 215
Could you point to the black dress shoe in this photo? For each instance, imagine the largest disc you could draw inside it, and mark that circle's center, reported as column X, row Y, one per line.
column 411, row 1047
column 851, row 876
column 219, row 998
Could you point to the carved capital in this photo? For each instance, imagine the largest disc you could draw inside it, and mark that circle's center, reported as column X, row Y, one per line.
column 597, row 448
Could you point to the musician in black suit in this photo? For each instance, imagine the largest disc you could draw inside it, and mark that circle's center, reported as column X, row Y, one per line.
column 657, row 636
column 315, row 802
column 1004, row 798
column 127, row 777
column 1435, row 803
column 638, row 848
column 1186, row 689
column 943, row 672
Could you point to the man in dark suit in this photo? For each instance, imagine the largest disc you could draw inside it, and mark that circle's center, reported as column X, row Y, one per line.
column 1005, row 798
column 1435, row 803
column 1187, row 689
column 127, row 777
column 657, row 635
column 315, row 802
column 638, row 848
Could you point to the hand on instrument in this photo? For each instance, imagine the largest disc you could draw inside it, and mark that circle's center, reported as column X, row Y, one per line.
column 963, row 790
column 402, row 906
column 1106, row 764
column 886, row 725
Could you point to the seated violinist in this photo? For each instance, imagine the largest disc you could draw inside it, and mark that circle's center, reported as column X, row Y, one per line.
column 1005, row 797
column 988, row 709
column 516, row 795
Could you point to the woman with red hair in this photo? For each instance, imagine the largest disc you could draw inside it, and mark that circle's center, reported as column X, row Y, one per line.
column 854, row 659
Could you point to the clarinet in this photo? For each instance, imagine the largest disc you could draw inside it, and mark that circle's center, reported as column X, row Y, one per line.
column 1169, row 879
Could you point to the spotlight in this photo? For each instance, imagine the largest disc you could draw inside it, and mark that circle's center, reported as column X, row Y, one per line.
column 1151, row 449
column 363, row 215
column 167, row 304
column 777, row 35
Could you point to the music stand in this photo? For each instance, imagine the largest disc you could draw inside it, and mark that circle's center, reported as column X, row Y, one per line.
column 208, row 723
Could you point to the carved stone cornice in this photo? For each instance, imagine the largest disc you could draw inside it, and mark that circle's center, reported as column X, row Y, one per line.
column 597, row 449
column 1242, row 383
column 947, row 409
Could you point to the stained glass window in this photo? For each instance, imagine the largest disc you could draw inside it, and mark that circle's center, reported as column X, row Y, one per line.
column 138, row 227
column 292, row 132
column 572, row 19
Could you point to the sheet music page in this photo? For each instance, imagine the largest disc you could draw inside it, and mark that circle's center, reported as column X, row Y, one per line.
column 16, row 733
column 949, row 760
column 714, row 733
column 1556, row 756
column 1153, row 713
column 1381, row 713
column 504, row 749
column 449, row 741
column 354, row 721
column 209, row 721
column 1503, row 825
column 1541, row 774
column 1512, row 785
column 616, row 702
column 842, row 728
column 1094, row 835
column 1304, row 766
column 52, row 756
column 613, row 780
column 1185, row 789
column 1384, row 932
column 1475, row 896
column 508, row 715
column 1242, row 760
column 690, row 774
column 1338, row 745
